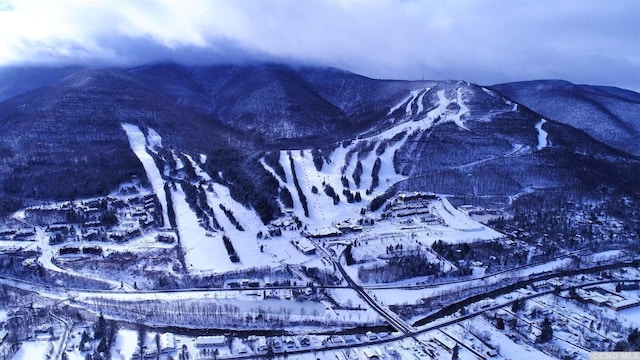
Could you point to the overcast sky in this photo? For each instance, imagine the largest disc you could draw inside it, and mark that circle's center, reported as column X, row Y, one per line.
column 483, row 41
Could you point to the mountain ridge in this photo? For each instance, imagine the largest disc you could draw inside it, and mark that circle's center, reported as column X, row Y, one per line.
column 606, row 113
column 450, row 137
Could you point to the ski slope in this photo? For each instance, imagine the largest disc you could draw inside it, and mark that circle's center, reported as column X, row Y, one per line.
column 364, row 152
column 542, row 135
column 138, row 144
column 202, row 251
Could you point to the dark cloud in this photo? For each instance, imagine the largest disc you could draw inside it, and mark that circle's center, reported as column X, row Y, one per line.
column 490, row 41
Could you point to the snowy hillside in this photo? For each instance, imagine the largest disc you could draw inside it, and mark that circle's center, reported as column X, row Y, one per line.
column 608, row 114
column 335, row 184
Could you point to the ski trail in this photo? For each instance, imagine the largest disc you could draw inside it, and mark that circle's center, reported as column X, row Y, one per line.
column 408, row 110
column 420, row 104
column 542, row 135
column 398, row 105
column 138, row 144
column 457, row 118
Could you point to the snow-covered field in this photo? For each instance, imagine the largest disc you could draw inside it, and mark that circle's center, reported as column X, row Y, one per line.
column 35, row 350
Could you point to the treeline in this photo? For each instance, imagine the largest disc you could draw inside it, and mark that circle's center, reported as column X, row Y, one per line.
column 397, row 268
column 321, row 276
column 558, row 220
column 231, row 218
column 196, row 197
column 233, row 255
column 330, row 192
column 303, row 198
column 248, row 182
column 272, row 159
column 25, row 267
column 375, row 180
column 496, row 255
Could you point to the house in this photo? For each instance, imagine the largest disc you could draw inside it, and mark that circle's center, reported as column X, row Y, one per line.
column 304, row 246
column 289, row 342
column 337, row 340
column 371, row 354
column 167, row 342
column 322, row 232
column 305, row 341
column 209, row 342
column 350, row 339
column 26, row 234
column 7, row 234
column 492, row 353
column 624, row 304
column 261, row 344
column 164, row 238
column 444, row 341
column 277, row 344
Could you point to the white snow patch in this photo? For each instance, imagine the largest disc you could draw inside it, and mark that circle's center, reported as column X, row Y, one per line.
column 542, row 135
column 34, row 350
column 178, row 160
column 154, row 139
column 457, row 118
column 445, row 115
column 126, row 344
column 409, row 101
column 322, row 210
column 632, row 314
column 321, row 207
column 508, row 348
column 19, row 215
column 489, row 92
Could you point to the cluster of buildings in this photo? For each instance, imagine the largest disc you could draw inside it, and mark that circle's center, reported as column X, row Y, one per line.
column 110, row 218
column 18, row 234
column 602, row 297
column 414, row 204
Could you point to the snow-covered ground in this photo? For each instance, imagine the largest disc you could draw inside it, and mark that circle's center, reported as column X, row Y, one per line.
column 37, row 349
column 125, row 345
column 507, row 348
column 632, row 315
column 204, row 251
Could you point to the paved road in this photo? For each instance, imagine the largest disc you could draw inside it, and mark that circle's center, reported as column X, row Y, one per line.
column 65, row 336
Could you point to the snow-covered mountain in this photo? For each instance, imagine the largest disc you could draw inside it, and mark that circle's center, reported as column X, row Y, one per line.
column 608, row 114
column 315, row 141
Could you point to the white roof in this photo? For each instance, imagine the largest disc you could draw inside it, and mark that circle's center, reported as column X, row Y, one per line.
column 210, row 340
column 167, row 340
column 625, row 302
